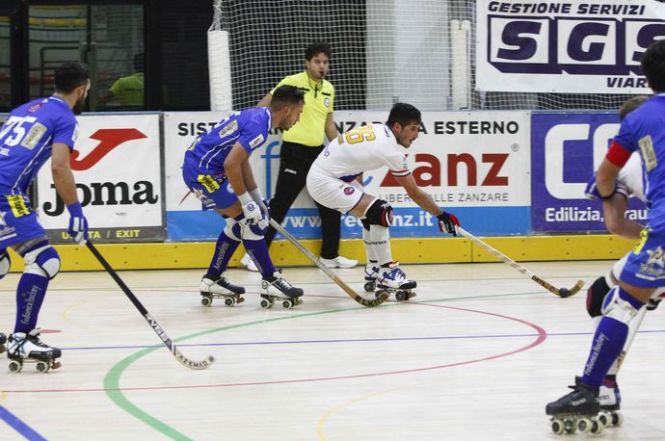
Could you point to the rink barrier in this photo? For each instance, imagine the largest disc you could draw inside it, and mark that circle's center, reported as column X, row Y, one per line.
column 189, row 255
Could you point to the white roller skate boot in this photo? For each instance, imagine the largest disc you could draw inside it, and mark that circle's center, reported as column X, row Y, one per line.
column 212, row 287
column 393, row 280
column 28, row 348
column 278, row 288
column 371, row 274
column 3, row 340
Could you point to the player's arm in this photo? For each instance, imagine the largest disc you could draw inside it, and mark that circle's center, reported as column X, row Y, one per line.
column 606, row 177
column 330, row 128
column 417, row 195
column 614, row 210
column 233, row 167
column 248, row 176
column 63, row 178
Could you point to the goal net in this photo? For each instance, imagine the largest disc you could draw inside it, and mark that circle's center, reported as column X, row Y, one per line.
column 418, row 51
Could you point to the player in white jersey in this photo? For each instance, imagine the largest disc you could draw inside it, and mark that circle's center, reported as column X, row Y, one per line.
column 334, row 181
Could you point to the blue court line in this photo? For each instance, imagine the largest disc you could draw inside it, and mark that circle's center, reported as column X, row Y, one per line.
column 15, row 423
column 355, row 340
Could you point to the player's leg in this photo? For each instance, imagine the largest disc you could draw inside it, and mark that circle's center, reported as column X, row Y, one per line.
column 42, row 263
column 5, row 265
column 216, row 194
column 376, row 219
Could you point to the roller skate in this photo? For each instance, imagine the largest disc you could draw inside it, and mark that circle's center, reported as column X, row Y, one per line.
column 279, row 289
column 28, row 348
column 371, row 274
column 392, row 279
column 577, row 411
column 3, row 340
column 220, row 288
column 609, row 398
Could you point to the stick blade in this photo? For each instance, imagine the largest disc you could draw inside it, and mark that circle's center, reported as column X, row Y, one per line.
column 564, row 292
column 374, row 302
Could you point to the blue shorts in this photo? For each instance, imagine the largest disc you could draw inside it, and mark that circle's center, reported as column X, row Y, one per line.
column 645, row 267
column 18, row 222
column 214, row 191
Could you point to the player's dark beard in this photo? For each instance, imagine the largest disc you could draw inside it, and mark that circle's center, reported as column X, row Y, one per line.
column 78, row 107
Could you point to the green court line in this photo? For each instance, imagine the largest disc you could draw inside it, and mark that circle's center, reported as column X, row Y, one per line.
column 112, row 378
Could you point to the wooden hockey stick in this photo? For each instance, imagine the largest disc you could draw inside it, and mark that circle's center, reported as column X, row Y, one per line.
column 561, row 292
column 347, row 289
column 192, row 364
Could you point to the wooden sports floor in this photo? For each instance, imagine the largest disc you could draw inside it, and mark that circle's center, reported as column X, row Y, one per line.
column 475, row 356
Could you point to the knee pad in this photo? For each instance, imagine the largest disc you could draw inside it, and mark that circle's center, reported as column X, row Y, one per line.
column 5, row 263
column 252, row 231
column 595, row 296
column 379, row 213
column 43, row 260
column 232, row 229
column 620, row 306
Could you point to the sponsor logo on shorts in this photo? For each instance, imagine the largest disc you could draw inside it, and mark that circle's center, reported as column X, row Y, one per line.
column 349, row 191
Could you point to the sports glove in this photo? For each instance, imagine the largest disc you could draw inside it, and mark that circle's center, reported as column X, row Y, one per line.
column 78, row 224
column 652, row 304
column 252, row 212
column 591, row 190
column 261, row 202
column 447, row 223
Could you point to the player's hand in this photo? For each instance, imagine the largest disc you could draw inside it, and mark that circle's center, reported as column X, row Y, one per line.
column 252, row 212
column 591, row 190
column 78, row 224
column 447, row 223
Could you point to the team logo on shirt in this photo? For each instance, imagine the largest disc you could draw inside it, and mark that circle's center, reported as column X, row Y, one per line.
column 326, row 102
column 256, row 141
column 349, row 191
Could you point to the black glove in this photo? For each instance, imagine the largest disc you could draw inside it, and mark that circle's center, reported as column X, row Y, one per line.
column 448, row 222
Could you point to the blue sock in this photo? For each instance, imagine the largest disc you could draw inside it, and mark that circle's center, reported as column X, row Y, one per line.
column 258, row 250
column 224, row 249
column 607, row 344
column 29, row 297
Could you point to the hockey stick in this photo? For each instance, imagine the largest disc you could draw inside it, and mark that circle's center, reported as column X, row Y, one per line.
column 197, row 365
column 561, row 292
column 347, row 289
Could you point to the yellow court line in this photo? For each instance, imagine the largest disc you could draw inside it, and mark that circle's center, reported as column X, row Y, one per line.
column 334, row 410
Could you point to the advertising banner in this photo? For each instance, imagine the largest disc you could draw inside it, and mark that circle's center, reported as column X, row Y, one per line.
column 593, row 46
column 566, row 149
column 474, row 164
column 117, row 168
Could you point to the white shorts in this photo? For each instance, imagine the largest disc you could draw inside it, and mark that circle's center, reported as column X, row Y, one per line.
column 333, row 192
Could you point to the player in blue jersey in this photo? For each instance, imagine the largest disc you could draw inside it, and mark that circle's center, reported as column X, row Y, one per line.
column 34, row 132
column 642, row 130
column 217, row 170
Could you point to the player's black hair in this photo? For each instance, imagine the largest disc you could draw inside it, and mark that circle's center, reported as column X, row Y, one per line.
column 138, row 62
column 316, row 48
column 404, row 114
column 653, row 65
column 287, row 95
column 70, row 75
column 631, row 104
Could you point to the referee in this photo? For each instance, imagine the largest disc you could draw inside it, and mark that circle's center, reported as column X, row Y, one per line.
column 301, row 144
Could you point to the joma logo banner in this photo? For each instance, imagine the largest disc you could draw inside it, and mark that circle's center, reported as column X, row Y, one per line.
column 565, row 47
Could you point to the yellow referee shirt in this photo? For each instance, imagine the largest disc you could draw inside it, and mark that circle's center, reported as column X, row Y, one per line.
column 319, row 98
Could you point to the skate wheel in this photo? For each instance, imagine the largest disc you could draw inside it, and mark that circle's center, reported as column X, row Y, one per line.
column 569, row 426
column 369, row 286
column 617, row 419
column 596, row 427
column 206, row 301
column 42, row 367
column 604, row 418
column 266, row 304
column 584, row 425
column 15, row 366
column 286, row 304
column 557, row 426
column 229, row 301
